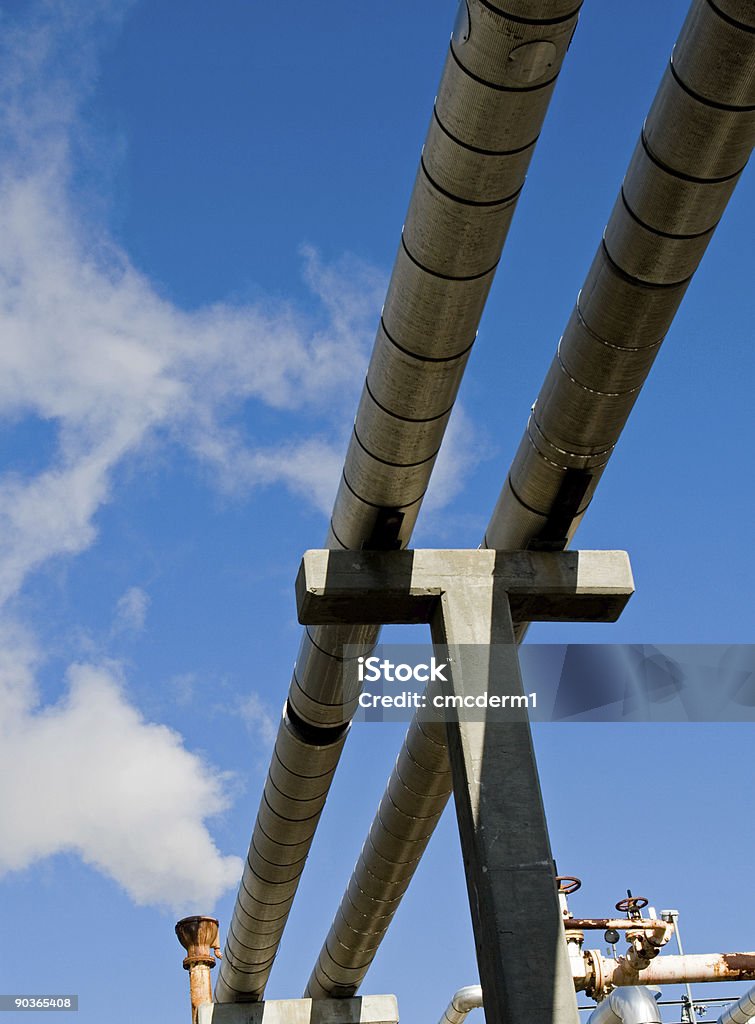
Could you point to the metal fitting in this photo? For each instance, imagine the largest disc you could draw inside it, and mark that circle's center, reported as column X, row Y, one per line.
column 199, row 937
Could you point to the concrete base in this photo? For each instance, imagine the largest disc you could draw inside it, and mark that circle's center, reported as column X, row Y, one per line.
column 360, row 1010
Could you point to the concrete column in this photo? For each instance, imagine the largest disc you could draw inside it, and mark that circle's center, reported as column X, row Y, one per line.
column 513, row 899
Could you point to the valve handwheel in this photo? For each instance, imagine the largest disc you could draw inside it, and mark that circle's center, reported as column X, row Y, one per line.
column 631, row 903
column 568, row 883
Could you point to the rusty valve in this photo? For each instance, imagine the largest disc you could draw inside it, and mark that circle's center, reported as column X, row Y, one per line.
column 199, row 937
column 632, row 905
column 568, row 883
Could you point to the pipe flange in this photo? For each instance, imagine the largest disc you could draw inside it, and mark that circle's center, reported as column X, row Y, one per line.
column 600, row 984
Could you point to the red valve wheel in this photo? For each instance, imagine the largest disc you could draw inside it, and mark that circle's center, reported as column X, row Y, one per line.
column 568, row 883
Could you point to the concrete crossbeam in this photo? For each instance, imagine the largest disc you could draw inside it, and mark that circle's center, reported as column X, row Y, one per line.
column 404, row 586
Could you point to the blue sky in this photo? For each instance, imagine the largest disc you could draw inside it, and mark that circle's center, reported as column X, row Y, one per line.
column 199, row 209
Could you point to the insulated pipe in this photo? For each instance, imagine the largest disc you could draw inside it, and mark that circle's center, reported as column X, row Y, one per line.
column 692, row 149
column 462, row 1003
column 631, row 1005
column 501, row 69
column 741, row 1012
column 694, row 144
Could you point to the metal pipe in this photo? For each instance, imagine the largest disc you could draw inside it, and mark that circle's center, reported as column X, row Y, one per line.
column 462, row 1003
column 618, row 923
column 740, row 1012
column 604, row 973
column 199, row 937
column 501, row 69
column 693, row 146
column 632, row 1005
column 672, row 916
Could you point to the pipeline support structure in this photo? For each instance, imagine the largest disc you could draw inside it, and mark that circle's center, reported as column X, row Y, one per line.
column 466, row 597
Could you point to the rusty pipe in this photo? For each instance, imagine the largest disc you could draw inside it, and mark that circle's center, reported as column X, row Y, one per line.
column 199, row 937
column 605, row 973
column 644, row 924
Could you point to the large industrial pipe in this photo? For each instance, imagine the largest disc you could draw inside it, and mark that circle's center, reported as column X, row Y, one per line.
column 740, row 1012
column 502, row 65
column 632, row 1005
column 693, row 147
column 694, row 144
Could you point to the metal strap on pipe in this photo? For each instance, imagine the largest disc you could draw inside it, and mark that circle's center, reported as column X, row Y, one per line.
column 694, row 144
column 501, row 69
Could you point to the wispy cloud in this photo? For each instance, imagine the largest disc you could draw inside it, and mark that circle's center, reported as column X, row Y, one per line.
column 92, row 350
column 131, row 611
column 257, row 718
column 91, row 347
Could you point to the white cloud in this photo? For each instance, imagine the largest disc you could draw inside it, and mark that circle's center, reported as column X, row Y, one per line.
column 92, row 349
column 92, row 777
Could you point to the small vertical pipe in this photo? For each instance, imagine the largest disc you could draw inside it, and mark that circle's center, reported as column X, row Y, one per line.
column 199, row 937
column 673, row 917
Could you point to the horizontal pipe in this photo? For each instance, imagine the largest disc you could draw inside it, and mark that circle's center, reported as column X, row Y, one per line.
column 630, row 1002
column 604, row 973
column 619, row 923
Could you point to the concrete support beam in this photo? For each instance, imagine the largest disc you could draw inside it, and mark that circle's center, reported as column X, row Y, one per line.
column 360, row 1010
column 404, row 586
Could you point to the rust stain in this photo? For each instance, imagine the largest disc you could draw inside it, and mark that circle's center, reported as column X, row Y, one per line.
column 621, row 924
column 738, row 965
